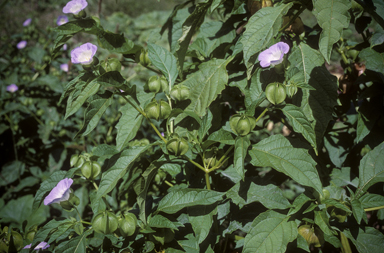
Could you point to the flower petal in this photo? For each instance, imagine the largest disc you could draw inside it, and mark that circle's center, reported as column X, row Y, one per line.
column 60, row 192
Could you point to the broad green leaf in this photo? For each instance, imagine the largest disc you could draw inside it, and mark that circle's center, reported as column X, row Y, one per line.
column 271, row 232
column 177, row 111
column 371, row 200
column 343, row 177
column 261, row 28
column 366, row 240
column 241, row 149
column 206, row 84
column 10, row 172
column 48, row 228
column 222, row 136
column 96, row 108
column 300, row 123
column 76, row 244
column 369, row 112
column 115, row 43
column 165, row 61
column 358, row 211
column 322, row 220
column 371, row 170
column 201, row 219
column 205, row 125
column 104, row 151
column 373, row 60
column 62, row 229
column 117, row 169
column 338, row 144
column 333, row 17
column 47, row 186
column 72, row 84
column 190, row 245
column 159, row 221
column 87, row 25
column 128, row 125
column 177, row 200
column 336, row 203
column 298, row 203
column 277, row 152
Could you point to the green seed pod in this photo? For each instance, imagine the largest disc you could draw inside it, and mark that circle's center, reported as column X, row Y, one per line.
column 128, row 224
column 275, row 93
column 112, row 64
column 144, row 59
column 242, row 124
column 353, row 54
column 180, row 92
column 313, row 236
column 158, row 110
column 291, row 90
column 153, row 85
column 105, row 222
column 76, row 161
column 177, row 146
column 69, row 204
column 91, row 170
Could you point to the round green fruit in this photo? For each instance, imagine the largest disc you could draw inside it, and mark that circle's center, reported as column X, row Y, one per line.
column 76, row 161
column 128, row 224
column 105, row 222
column 177, row 146
column 144, row 59
column 158, row 110
column 242, row 124
column 90, row 170
column 180, row 92
column 112, row 64
column 275, row 93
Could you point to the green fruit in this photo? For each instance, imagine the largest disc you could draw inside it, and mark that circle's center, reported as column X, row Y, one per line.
column 90, row 170
column 291, row 90
column 177, row 146
column 353, row 54
column 40, row 112
column 144, row 59
column 112, row 64
column 325, row 195
column 242, row 124
column 275, row 93
column 105, row 222
column 154, row 85
column 127, row 225
column 158, row 110
column 180, row 92
column 212, row 157
column 313, row 236
column 76, row 161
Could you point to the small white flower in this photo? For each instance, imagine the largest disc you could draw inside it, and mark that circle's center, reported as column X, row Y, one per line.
column 75, row 6
column 83, row 54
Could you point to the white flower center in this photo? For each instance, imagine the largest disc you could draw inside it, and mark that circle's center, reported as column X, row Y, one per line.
column 76, row 7
column 85, row 56
column 276, row 55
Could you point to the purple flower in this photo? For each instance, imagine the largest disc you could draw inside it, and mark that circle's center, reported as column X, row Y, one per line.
column 64, row 67
column 42, row 245
column 22, row 44
column 27, row 22
column 12, row 88
column 60, row 192
column 65, row 47
column 75, row 6
column 61, row 20
column 273, row 55
column 83, row 54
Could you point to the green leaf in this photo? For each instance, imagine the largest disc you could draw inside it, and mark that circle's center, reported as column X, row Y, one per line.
column 96, row 108
column 241, row 149
column 373, row 60
column 10, row 172
column 128, row 125
column 369, row 112
column 201, row 219
column 300, row 123
column 371, row 170
column 165, row 61
column 271, row 232
column 75, row 244
column 48, row 228
column 277, row 152
column 47, row 186
column 343, row 177
column 366, row 240
column 205, row 84
column 261, row 28
column 117, row 169
column 159, row 221
column 190, row 245
column 222, row 136
column 322, row 220
column 358, row 211
column 177, row 200
column 298, row 203
column 115, row 43
column 87, row 25
column 61, row 231
column 371, row 200
column 333, row 17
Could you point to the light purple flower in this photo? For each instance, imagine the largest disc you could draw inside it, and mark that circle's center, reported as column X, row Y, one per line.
column 273, row 55
column 12, row 88
column 27, row 22
column 42, row 245
column 83, row 54
column 22, row 44
column 60, row 192
column 64, row 67
column 65, row 47
column 61, row 20
column 75, row 6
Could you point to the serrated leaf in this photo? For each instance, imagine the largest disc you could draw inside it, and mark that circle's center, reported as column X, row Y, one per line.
column 48, row 228
column 117, row 168
column 61, row 230
column 371, row 200
column 128, row 125
column 371, row 170
column 115, row 43
column 336, row 203
column 300, row 123
column 201, row 219
column 366, row 240
column 343, row 177
column 241, row 147
column 177, row 200
column 47, row 186
column 271, row 232
column 205, row 84
column 165, row 61
column 261, row 28
column 159, row 221
column 75, row 244
column 72, row 84
column 87, row 25
column 10, row 172
column 298, row 203
column 190, row 245
column 222, row 136
column 277, row 152
column 373, row 60
column 322, row 220
column 333, row 17
column 96, row 108
column 358, row 210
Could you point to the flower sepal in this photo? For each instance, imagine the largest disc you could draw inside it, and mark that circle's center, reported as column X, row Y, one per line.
column 69, row 204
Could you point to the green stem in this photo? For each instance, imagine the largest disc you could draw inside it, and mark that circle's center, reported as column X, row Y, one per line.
column 156, row 130
column 168, row 183
column 221, row 160
column 262, row 114
column 78, row 213
column 293, row 19
column 374, row 208
column 128, row 101
column 170, row 104
column 195, row 163
column 207, row 182
column 13, row 137
column 86, row 222
column 95, row 185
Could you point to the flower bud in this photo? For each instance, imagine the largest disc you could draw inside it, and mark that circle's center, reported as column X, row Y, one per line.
column 69, row 204
column 242, row 124
column 291, row 90
column 313, row 236
column 275, row 93
column 177, row 146
column 90, row 170
column 105, row 222
column 212, row 157
column 76, row 161
column 158, row 110
column 127, row 225
column 180, row 92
